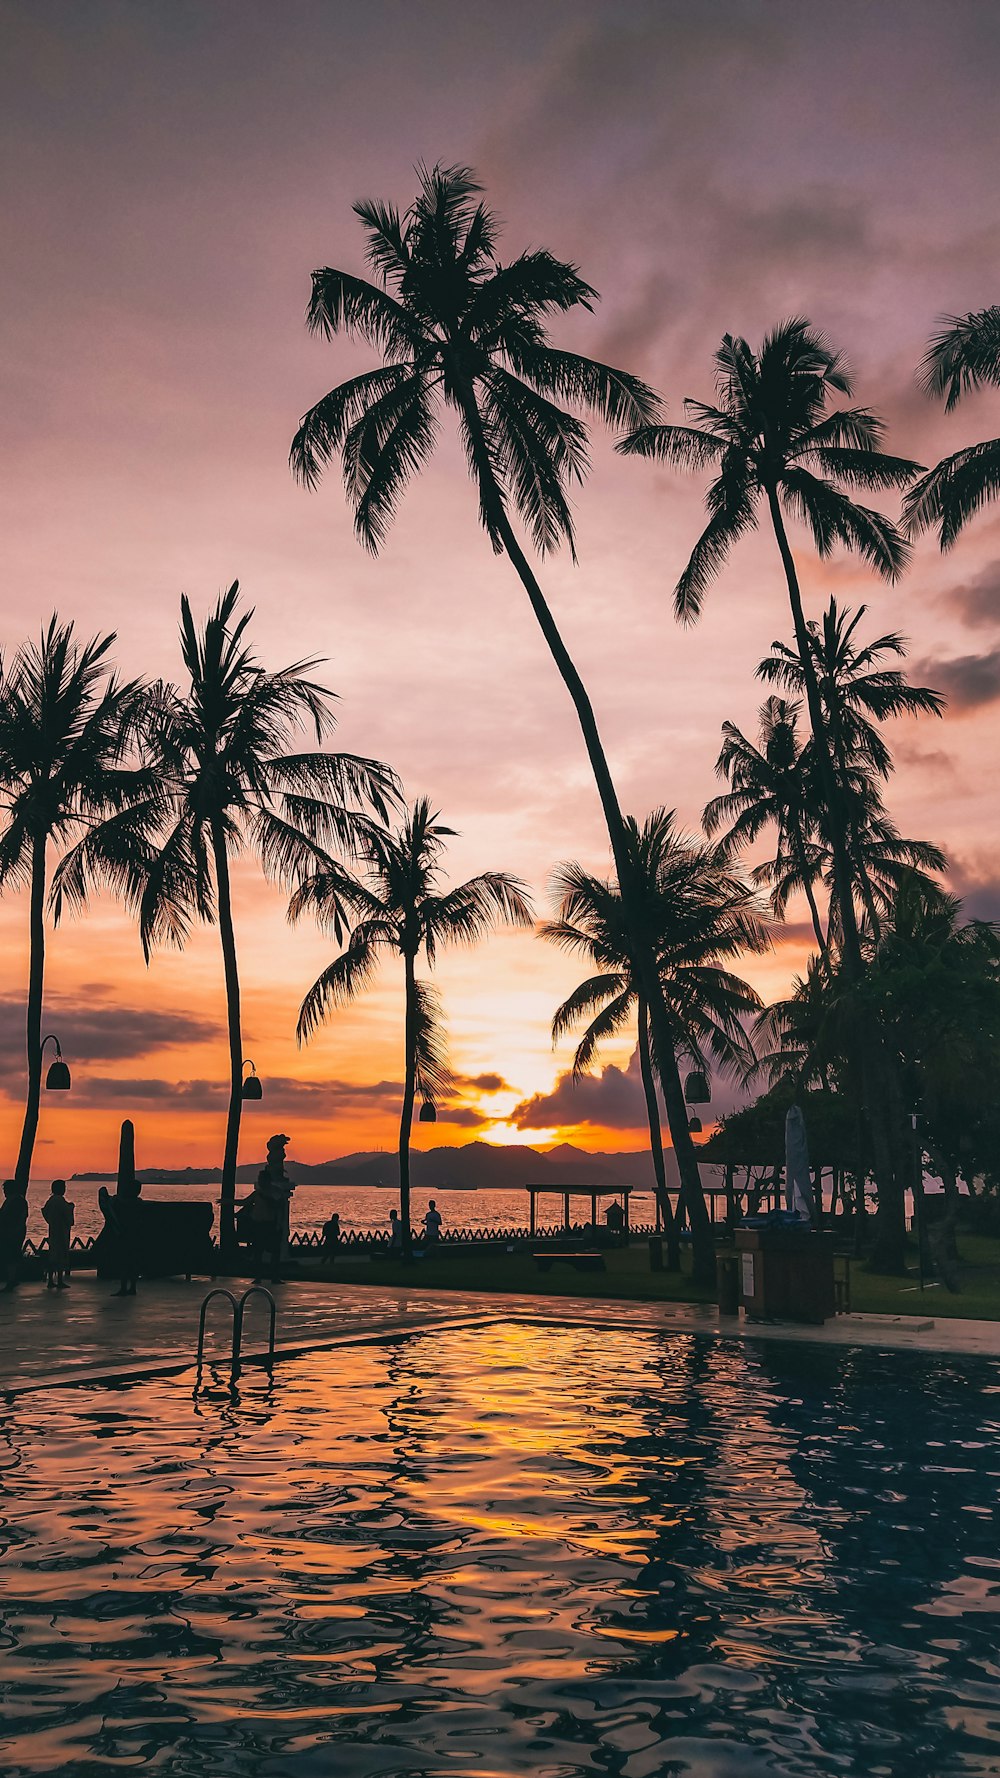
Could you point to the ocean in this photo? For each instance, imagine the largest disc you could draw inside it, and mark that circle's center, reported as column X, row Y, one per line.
column 360, row 1207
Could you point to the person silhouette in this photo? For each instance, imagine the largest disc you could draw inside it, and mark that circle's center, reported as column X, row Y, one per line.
column 432, row 1223
column 13, row 1228
column 58, row 1213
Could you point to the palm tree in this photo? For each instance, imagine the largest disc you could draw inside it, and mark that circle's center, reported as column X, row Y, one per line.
column 770, row 786
column 881, row 859
column 963, row 355
column 69, row 728
column 856, row 689
column 773, row 439
column 696, row 915
column 459, row 329
column 229, row 783
column 857, row 692
column 401, row 909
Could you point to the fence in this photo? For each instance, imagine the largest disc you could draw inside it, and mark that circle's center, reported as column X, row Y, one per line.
column 377, row 1240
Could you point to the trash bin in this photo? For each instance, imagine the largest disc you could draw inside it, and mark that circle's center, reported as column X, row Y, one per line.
column 727, row 1278
column 655, row 1253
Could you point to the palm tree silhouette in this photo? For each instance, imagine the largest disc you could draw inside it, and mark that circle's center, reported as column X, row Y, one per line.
column 231, row 783
column 770, row 785
column 400, row 908
column 458, row 328
column 68, row 731
column 857, row 692
column 773, row 439
column 856, row 689
column 695, row 914
column 963, row 355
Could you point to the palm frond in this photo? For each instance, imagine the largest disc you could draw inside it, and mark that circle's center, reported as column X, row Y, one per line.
column 952, row 493
column 684, row 446
column 432, row 1076
column 833, row 518
column 340, row 303
column 964, row 353
column 342, row 980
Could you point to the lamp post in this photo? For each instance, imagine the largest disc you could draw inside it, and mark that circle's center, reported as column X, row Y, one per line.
column 57, row 1080
column 251, row 1088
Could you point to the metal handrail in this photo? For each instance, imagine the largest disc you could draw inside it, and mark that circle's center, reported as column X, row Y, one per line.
column 239, row 1310
column 237, row 1323
column 252, row 1290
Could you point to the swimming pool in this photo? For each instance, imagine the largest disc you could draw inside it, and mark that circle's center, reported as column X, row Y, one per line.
column 506, row 1550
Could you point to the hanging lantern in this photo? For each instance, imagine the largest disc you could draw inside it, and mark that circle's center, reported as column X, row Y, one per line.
column 251, row 1088
column 696, row 1090
column 694, row 1125
column 428, row 1114
column 57, row 1080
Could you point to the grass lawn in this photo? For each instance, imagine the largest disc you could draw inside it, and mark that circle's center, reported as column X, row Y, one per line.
column 629, row 1279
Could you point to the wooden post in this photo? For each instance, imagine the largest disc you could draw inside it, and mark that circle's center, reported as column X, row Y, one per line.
column 531, row 1212
column 566, row 1224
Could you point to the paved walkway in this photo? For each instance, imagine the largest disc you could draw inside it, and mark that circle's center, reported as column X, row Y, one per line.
column 85, row 1333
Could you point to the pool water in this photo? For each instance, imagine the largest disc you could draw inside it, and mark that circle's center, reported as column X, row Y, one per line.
column 510, row 1550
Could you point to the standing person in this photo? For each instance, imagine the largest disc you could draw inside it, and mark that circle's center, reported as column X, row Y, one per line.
column 59, row 1214
column 331, row 1238
column 395, row 1232
column 13, row 1228
column 432, row 1223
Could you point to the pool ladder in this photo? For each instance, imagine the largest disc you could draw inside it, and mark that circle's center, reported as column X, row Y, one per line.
column 238, row 1307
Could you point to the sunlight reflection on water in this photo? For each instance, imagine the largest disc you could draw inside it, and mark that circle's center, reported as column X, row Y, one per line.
column 510, row 1550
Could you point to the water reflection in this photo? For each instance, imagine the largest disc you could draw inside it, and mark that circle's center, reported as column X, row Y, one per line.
column 510, row 1550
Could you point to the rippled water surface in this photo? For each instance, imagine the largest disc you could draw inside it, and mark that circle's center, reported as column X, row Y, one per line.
column 505, row 1551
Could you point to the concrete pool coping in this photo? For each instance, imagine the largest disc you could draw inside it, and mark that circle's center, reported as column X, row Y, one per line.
column 427, row 1311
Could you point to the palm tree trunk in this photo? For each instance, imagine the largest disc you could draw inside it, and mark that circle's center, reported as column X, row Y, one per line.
column 33, row 1021
column 799, row 847
column 656, row 1141
column 692, row 1197
column 406, row 1115
column 890, row 1240
column 645, row 962
column 227, row 1200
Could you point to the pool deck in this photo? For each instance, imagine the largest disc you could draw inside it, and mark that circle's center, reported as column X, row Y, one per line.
column 85, row 1334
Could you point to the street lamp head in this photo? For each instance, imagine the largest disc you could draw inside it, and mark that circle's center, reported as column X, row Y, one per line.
column 696, row 1088
column 694, row 1125
column 251, row 1088
column 428, row 1114
column 57, row 1080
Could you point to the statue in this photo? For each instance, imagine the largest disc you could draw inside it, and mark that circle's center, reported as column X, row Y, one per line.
column 280, row 1188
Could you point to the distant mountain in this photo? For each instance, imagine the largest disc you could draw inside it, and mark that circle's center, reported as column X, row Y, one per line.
column 485, row 1166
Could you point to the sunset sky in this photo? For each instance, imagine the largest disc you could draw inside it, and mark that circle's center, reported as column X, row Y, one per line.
column 174, row 173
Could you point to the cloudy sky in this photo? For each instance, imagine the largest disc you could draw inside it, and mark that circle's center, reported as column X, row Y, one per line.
column 174, row 172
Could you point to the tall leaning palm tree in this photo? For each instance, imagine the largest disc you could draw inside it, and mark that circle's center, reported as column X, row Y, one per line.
column 774, row 441
column 231, row 782
column 69, row 733
column 963, row 355
column 697, row 916
column 461, row 331
column 399, row 908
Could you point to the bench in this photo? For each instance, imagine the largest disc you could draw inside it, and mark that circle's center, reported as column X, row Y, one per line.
column 581, row 1262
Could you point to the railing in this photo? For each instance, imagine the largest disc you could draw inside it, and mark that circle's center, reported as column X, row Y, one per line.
column 239, row 1309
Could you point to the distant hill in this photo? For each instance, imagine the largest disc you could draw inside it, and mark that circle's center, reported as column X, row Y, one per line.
column 485, row 1166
